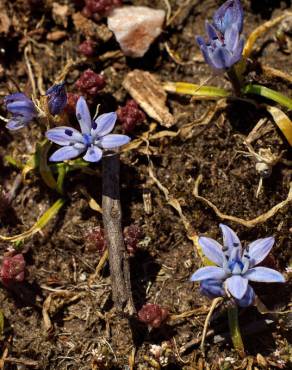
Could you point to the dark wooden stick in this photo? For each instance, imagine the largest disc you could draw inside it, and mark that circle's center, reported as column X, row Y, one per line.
column 112, row 220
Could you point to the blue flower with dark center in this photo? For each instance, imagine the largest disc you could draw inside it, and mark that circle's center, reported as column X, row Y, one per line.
column 22, row 108
column 57, row 98
column 235, row 267
column 93, row 138
column 224, row 45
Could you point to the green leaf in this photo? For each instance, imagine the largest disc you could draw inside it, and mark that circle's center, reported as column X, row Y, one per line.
column 269, row 94
column 44, row 169
column 39, row 225
column 196, row 90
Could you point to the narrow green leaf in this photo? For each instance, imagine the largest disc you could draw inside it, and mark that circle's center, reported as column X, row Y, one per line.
column 269, row 94
column 195, row 90
column 45, row 171
column 39, row 225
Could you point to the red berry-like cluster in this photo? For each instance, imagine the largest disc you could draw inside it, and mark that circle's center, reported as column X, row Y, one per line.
column 12, row 269
column 130, row 115
column 100, row 8
column 87, row 48
column 90, row 83
column 132, row 235
column 95, row 239
column 71, row 103
column 153, row 315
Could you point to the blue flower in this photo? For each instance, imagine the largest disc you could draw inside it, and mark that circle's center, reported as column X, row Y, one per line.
column 94, row 136
column 235, row 267
column 22, row 109
column 57, row 98
column 224, row 45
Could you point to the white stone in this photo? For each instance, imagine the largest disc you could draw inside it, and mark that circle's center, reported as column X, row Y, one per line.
column 135, row 28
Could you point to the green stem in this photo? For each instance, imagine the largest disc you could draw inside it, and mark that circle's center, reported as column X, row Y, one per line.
column 269, row 94
column 234, row 79
column 235, row 330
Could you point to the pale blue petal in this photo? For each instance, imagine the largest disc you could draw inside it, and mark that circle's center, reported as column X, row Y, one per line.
column 231, row 38
column 221, row 57
column 16, row 123
column 237, row 53
column 104, row 124
column 83, row 115
column 264, row 275
column 237, row 286
column 231, row 241
column 21, row 107
column 248, row 298
column 209, row 272
column 211, row 31
column 93, row 154
column 259, row 249
column 65, row 153
column 113, row 141
column 212, row 250
column 15, row 97
column 212, row 288
column 64, row 135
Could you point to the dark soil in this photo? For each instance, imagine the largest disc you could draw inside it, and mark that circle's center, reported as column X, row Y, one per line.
column 86, row 332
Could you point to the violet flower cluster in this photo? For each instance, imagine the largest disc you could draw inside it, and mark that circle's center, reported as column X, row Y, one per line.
column 22, row 109
column 57, row 98
column 93, row 138
column 235, row 267
column 224, row 45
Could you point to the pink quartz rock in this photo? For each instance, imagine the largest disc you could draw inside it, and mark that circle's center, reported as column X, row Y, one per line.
column 135, row 28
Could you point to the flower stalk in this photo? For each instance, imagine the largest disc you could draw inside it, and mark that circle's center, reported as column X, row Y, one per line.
column 235, row 81
column 235, row 330
column 112, row 220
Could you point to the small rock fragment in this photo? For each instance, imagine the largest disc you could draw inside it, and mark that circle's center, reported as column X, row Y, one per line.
column 147, row 91
column 135, row 28
column 89, row 29
column 56, row 35
column 60, row 14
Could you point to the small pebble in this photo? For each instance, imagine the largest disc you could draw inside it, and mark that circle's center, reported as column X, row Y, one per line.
column 135, row 28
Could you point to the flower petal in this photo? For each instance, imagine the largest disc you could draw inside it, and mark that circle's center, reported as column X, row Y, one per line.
column 205, row 51
column 211, row 31
column 231, row 242
column 237, row 286
column 16, row 123
column 83, row 115
column 259, row 249
column 66, row 152
column 229, row 13
column 221, row 57
column 64, row 135
column 15, row 97
column 209, row 272
column 237, row 52
column 104, row 124
column 93, row 154
column 22, row 107
column 264, row 275
column 212, row 288
column 212, row 250
column 113, row 141
column 248, row 298
column 231, row 38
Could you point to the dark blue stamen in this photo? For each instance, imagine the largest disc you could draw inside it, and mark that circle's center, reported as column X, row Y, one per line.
column 68, row 132
column 94, row 125
column 232, row 264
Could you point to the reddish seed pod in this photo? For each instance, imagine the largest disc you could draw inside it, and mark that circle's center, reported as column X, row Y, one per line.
column 12, row 269
column 95, row 239
column 71, row 103
column 132, row 236
column 100, row 7
column 130, row 115
column 90, row 83
column 87, row 48
column 153, row 315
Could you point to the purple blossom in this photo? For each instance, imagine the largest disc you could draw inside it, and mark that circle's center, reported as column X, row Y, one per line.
column 57, row 98
column 94, row 136
column 224, row 45
column 22, row 109
column 235, row 267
